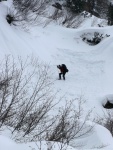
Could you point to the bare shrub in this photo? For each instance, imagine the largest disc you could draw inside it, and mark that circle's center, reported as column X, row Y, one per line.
column 72, row 20
column 70, row 124
column 12, row 17
column 56, row 15
column 26, row 97
column 28, row 10
column 15, row 17
column 65, row 18
column 32, row 12
column 27, row 101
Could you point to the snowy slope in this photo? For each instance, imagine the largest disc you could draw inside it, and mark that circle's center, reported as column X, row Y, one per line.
column 29, row 146
column 90, row 67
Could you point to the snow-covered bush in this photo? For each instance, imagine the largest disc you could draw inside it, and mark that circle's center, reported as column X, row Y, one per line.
column 107, row 120
column 93, row 38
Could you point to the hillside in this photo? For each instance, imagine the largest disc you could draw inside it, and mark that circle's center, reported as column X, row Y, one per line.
column 90, row 66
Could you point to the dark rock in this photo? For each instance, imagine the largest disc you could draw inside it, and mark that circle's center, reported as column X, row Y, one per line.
column 108, row 105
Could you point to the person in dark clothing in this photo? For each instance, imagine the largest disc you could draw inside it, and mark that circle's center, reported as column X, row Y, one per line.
column 63, row 69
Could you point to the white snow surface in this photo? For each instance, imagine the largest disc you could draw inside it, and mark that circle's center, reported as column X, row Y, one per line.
column 90, row 68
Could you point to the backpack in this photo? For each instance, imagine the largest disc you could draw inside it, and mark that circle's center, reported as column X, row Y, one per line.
column 65, row 68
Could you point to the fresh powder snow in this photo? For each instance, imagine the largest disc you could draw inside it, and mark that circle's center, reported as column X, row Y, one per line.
column 90, row 68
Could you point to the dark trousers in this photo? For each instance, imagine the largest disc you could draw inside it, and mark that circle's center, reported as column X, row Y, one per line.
column 63, row 74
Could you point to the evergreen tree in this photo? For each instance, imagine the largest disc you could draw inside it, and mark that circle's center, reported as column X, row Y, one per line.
column 98, row 8
column 91, row 4
column 75, row 5
column 110, row 14
column 101, row 8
